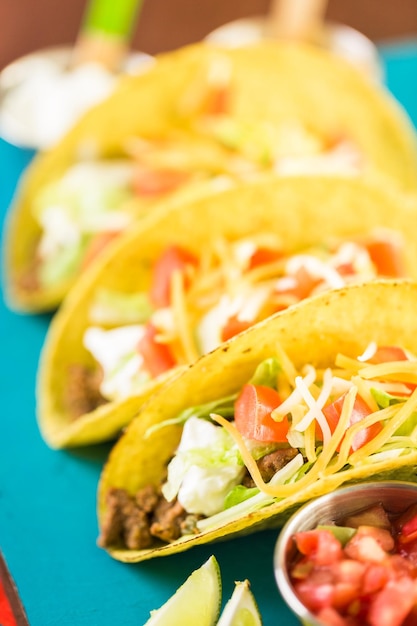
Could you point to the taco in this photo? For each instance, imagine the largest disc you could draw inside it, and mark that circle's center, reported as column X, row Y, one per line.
column 318, row 395
column 183, row 281
column 199, row 119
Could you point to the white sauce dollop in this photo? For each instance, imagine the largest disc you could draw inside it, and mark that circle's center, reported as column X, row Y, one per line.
column 201, row 487
column 45, row 105
column 116, row 352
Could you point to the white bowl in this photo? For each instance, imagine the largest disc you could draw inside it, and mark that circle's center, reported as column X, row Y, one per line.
column 339, row 38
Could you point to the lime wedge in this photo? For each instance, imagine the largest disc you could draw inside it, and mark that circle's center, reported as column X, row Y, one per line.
column 197, row 601
column 241, row 609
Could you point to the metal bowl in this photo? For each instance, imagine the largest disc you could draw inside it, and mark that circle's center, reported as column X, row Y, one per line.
column 395, row 496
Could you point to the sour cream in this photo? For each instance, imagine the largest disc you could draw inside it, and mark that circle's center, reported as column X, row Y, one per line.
column 115, row 351
column 340, row 39
column 202, row 485
column 41, row 99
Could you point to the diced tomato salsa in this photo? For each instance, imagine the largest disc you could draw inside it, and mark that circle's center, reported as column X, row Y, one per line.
column 360, row 572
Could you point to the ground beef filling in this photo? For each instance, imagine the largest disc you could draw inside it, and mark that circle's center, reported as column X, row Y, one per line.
column 138, row 521
column 270, row 464
column 28, row 281
column 82, row 393
column 145, row 519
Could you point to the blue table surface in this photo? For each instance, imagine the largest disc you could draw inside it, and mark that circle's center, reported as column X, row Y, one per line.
column 48, row 525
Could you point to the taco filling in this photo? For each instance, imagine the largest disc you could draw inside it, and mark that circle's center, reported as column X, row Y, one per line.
column 283, row 431
column 209, row 149
column 194, row 304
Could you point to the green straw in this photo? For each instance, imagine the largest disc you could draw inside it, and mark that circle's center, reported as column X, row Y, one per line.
column 111, row 17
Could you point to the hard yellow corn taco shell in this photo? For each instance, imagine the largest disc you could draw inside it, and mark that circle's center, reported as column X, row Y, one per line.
column 303, row 211
column 312, row 332
column 273, row 81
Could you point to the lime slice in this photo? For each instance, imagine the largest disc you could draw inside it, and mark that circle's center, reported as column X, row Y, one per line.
column 197, row 601
column 241, row 609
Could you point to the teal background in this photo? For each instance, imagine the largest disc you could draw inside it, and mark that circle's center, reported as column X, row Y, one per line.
column 48, row 526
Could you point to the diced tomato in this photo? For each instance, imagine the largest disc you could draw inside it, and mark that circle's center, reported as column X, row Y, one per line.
column 387, row 257
column 233, row 327
column 262, row 256
column 393, row 603
column 157, row 356
column 409, row 531
column 365, row 548
column 371, row 581
column 408, row 552
column 375, row 578
column 321, row 546
column 253, row 418
column 217, row 100
column 302, row 569
column 346, row 269
column 386, row 354
column 314, row 596
column 172, row 259
column 154, row 182
column 330, row 617
column 97, row 245
column 406, row 524
column 304, row 283
column 349, row 571
column 382, row 536
column 401, row 563
column 332, row 413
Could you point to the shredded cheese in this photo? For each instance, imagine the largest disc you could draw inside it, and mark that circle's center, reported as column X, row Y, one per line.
column 369, row 352
column 335, row 462
column 287, row 366
column 267, row 271
column 315, row 410
column 351, row 432
column 347, row 363
column 317, row 470
column 403, row 371
column 364, row 391
column 339, row 432
column 181, row 317
column 397, row 417
column 295, row 397
column 310, row 442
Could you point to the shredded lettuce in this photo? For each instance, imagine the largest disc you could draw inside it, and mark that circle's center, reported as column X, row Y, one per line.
column 224, row 453
column 239, row 494
column 63, row 265
column 384, row 399
column 114, row 307
column 86, row 195
column 91, row 198
column 407, row 428
column 207, row 458
column 289, row 473
column 267, row 373
column 223, row 406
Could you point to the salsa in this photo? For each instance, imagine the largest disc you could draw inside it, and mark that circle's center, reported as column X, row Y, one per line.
column 361, row 571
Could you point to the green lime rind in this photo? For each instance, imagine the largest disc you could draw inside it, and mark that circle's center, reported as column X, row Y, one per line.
column 241, row 609
column 197, row 601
